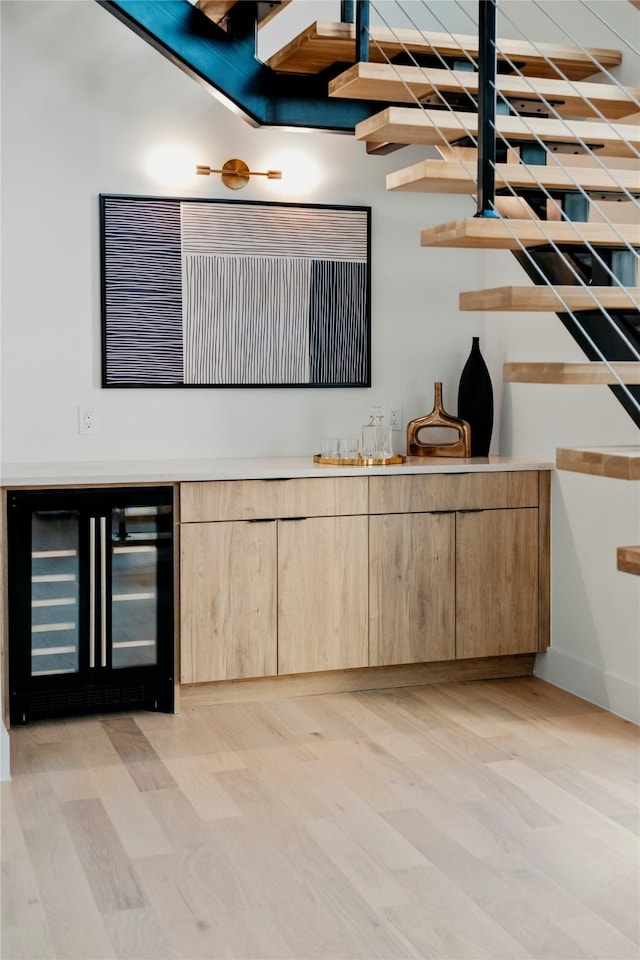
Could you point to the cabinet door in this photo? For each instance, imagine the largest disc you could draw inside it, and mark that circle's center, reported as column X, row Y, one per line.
column 228, row 600
column 496, row 583
column 322, row 594
column 411, row 588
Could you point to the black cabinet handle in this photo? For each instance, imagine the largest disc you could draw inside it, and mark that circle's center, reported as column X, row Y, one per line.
column 263, row 520
column 291, row 519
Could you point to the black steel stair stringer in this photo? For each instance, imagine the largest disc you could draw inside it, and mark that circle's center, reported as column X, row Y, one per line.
column 225, row 62
column 616, row 339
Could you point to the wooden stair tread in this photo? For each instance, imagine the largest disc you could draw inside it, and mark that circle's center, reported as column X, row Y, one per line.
column 406, row 84
column 322, row 44
column 217, row 10
column 446, row 176
column 571, row 373
column 622, row 463
column 498, row 234
column 412, row 125
column 557, row 299
column 628, row 559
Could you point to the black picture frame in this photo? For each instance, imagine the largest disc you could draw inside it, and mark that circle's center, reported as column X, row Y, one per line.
column 234, row 293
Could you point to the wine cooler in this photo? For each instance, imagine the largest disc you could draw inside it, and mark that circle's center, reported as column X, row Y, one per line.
column 90, row 601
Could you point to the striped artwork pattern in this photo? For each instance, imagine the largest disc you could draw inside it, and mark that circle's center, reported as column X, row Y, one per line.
column 143, row 292
column 212, row 293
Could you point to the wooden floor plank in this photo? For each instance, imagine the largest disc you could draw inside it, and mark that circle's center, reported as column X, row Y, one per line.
column 464, row 819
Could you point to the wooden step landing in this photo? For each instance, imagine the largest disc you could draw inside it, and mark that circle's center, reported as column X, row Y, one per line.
column 622, row 463
column 322, row 44
column 497, row 234
column 412, row 125
column 539, row 299
column 217, row 10
column 447, row 176
column 406, row 84
column 572, row 373
column 629, row 559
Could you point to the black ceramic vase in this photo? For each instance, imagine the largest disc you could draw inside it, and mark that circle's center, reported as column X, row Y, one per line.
column 475, row 400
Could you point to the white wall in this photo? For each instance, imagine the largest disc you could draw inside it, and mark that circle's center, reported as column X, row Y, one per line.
column 83, row 101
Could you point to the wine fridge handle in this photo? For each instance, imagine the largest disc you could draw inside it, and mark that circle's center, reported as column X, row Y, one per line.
column 92, row 592
column 103, row 591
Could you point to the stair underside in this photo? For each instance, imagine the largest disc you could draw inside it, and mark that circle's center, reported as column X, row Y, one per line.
column 217, row 10
column 446, row 176
column 572, row 373
column 622, row 463
column 402, row 84
column 412, row 125
column 322, row 44
column 628, row 559
column 539, row 299
column 494, row 233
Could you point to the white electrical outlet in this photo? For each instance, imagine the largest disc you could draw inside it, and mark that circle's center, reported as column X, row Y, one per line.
column 86, row 421
column 395, row 416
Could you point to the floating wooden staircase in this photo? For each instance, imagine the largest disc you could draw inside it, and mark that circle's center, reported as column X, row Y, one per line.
column 322, row 45
column 401, row 84
column 449, row 176
column 629, row 560
column 622, row 463
column 503, row 234
column 549, row 108
column 218, row 10
column 550, row 299
column 538, row 84
column 413, row 125
column 572, row 373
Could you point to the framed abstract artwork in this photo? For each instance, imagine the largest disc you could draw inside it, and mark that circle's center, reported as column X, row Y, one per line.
column 231, row 293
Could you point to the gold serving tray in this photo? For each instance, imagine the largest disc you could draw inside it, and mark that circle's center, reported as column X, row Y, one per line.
column 360, row 461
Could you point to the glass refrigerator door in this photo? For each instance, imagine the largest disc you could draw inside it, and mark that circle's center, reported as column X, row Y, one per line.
column 140, row 538
column 55, row 597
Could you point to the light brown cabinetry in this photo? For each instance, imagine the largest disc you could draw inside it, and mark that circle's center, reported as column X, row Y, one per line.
column 273, row 577
column 496, row 583
column 327, row 574
column 322, row 594
column 411, row 588
column 228, row 601
column 455, row 566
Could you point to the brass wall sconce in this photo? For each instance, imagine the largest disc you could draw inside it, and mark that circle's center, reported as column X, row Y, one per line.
column 235, row 173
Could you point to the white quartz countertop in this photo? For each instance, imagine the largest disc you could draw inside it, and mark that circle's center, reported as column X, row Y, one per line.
column 252, row 468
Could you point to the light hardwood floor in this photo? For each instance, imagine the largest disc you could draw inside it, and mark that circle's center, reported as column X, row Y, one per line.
column 460, row 820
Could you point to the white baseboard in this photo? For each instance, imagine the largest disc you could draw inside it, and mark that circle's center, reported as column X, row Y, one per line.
column 586, row 680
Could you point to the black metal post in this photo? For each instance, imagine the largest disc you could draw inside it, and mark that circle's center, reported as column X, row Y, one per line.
column 347, row 11
column 362, row 31
column 487, row 58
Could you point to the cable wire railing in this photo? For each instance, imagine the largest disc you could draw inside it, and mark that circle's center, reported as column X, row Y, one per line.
column 504, row 140
column 543, row 190
column 507, row 144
